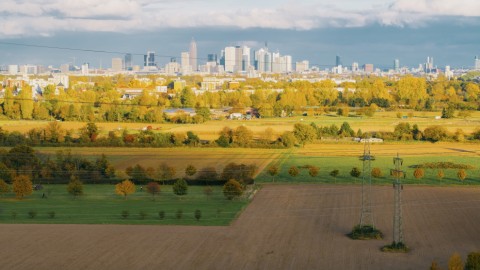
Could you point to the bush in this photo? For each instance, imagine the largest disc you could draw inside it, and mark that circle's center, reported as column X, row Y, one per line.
column 440, row 174
column 32, row 214
column 334, row 173
column 355, row 172
column 161, row 214
column 313, row 171
column 293, row 171
column 461, row 174
column 198, row 214
column 418, row 173
column 51, row 214
column 179, row 214
column 180, row 187
column 232, row 189
column 377, row 172
column 125, row 214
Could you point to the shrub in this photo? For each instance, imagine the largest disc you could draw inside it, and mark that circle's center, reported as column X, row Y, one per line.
column 32, row 214
column 473, row 261
column 355, row 172
column 125, row 214
column 440, row 174
column 198, row 214
column 51, row 214
column 180, row 187
column 419, row 173
column 461, row 174
column 334, row 173
column 293, row 171
column 179, row 214
column 377, row 172
column 161, row 214
column 232, row 189
column 313, row 171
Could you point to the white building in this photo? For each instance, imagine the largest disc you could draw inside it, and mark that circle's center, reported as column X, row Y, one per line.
column 185, row 63
column 13, row 69
column 117, row 64
column 230, row 59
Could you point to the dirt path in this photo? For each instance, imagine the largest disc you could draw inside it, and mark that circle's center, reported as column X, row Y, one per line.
column 285, row 227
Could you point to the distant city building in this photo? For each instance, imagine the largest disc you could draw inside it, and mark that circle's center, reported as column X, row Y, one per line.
column 229, row 59
column 355, row 67
column 185, row 63
column 212, row 57
column 65, row 68
column 477, row 63
column 238, row 59
column 149, row 59
column 193, row 55
column 338, row 61
column 128, row 61
column 13, row 69
column 429, row 65
column 85, row 69
column 396, row 65
column 117, row 64
column 302, row 66
column 368, row 68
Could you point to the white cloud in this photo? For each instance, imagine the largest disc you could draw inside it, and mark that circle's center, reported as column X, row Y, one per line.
column 45, row 17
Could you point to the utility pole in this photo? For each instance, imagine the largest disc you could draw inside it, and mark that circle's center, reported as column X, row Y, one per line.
column 397, row 213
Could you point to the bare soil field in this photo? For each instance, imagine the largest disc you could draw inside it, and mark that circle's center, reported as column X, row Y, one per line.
column 285, row 227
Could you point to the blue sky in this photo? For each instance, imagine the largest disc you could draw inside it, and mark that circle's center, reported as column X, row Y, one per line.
column 373, row 31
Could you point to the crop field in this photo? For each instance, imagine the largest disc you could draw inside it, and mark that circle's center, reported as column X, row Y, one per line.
column 381, row 121
column 285, row 227
column 100, row 205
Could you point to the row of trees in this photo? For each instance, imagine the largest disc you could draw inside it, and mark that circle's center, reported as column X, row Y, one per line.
column 102, row 101
column 456, row 263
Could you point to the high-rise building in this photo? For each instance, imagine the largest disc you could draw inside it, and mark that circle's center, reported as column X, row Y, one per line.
column 246, row 58
column 85, row 69
column 477, row 63
column 260, row 60
column 338, row 61
column 368, row 68
column 193, row 55
column 212, row 57
column 429, row 65
column 149, row 59
column 117, row 64
column 128, row 61
column 396, row 65
column 354, row 66
column 238, row 59
column 302, row 66
column 185, row 63
column 230, row 59
column 13, row 69
column 268, row 62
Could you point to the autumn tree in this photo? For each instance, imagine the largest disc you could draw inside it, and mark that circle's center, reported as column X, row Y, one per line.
column 75, row 187
column 4, row 188
column 418, row 173
column 313, row 171
column 89, row 132
column 180, row 187
column 232, row 189
column 304, row 133
column 165, row 172
column 440, row 174
column 190, row 170
column 435, row 133
column 153, row 188
column 455, row 262
column 242, row 136
column 125, row 188
column 22, row 186
column 293, row 171
column 461, row 174
column 273, row 170
column 434, row 266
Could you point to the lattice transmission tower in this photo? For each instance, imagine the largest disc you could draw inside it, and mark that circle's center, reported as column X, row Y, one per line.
column 366, row 216
column 397, row 213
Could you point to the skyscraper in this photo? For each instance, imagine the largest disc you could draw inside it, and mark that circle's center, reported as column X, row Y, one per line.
column 238, row 59
column 193, row 55
column 338, row 61
column 212, row 57
column 396, row 65
column 229, row 59
column 477, row 63
column 128, row 61
column 117, row 64
column 185, row 62
column 149, row 59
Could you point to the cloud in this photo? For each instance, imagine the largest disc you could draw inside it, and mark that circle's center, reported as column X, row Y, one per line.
column 46, row 17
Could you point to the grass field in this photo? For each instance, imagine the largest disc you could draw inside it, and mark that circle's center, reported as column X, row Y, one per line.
column 100, row 205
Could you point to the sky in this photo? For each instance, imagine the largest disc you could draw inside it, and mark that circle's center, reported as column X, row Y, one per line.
column 364, row 31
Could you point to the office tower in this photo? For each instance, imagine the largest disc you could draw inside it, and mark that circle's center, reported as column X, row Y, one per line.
column 230, row 59
column 185, row 63
column 13, row 69
column 477, row 63
column 288, row 63
column 238, row 59
column 117, row 64
column 246, row 58
column 302, row 66
column 85, row 69
column 268, row 62
column 368, row 68
column 65, row 68
column 396, row 65
column 193, row 55
column 149, row 59
column 338, row 61
column 260, row 60
column 354, row 66
column 212, row 57
column 276, row 65
column 429, row 65
column 128, row 61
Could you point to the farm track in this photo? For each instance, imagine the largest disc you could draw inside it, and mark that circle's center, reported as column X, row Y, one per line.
column 285, row 227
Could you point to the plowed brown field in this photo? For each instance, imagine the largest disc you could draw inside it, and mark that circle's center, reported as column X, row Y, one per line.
column 285, row 227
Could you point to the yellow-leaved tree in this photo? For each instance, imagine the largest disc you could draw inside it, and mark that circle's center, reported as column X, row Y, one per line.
column 125, row 188
column 22, row 186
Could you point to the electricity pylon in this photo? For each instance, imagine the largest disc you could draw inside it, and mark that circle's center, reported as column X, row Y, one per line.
column 366, row 216
column 397, row 213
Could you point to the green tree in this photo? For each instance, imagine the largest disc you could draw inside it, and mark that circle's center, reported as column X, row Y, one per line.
column 165, row 172
column 232, row 189
column 198, row 214
column 273, row 170
column 434, row 266
column 304, row 133
column 334, row 173
column 75, row 187
column 473, row 261
column 89, row 132
column 22, row 186
column 288, row 139
column 449, row 111
column 180, row 187
column 346, row 130
column 455, row 262
column 190, row 170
